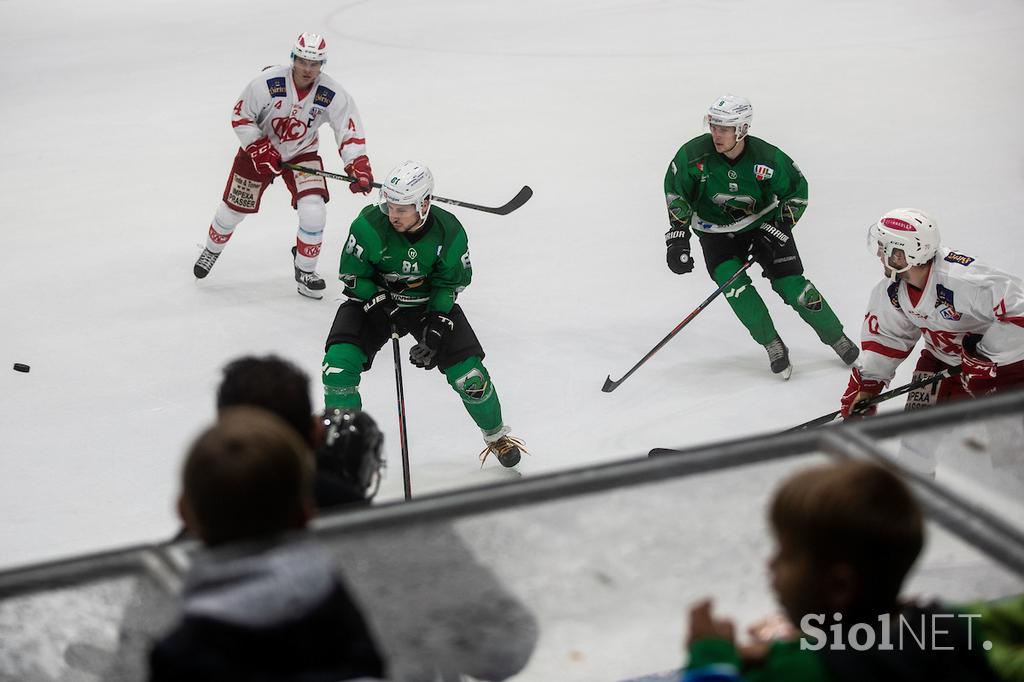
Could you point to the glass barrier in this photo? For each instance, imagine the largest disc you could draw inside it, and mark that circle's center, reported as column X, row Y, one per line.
column 581, row 575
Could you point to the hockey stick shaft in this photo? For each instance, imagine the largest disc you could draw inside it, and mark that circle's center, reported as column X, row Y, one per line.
column 880, row 398
column 515, row 202
column 610, row 385
column 402, row 435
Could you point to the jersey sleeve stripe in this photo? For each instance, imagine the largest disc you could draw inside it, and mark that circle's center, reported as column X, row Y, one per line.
column 352, row 140
column 876, row 347
column 241, row 122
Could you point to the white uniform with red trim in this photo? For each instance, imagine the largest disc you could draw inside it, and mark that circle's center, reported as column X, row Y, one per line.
column 270, row 107
column 962, row 297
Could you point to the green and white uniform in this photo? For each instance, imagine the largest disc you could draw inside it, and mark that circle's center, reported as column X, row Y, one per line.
column 725, row 202
column 424, row 272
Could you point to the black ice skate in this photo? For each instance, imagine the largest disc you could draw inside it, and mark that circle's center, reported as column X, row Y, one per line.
column 846, row 349
column 507, row 449
column 310, row 283
column 205, row 263
column 778, row 355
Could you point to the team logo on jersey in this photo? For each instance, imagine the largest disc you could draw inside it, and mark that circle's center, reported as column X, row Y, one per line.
column 733, row 187
column 763, row 172
column 412, row 253
column 277, row 87
column 323, row 96
column 959, row 258
column 732, row 174
column 894, row 294
column 944, row 301
column 348, row 280
column 700, row 166
column 288, row 129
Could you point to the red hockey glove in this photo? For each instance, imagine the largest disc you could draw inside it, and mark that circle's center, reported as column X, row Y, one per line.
column 978, row 373
column 265, row 159
column 360, row 170
column 859, row 389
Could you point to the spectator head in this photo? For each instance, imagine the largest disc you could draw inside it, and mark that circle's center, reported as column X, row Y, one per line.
column 247, row 477
column 846, row 536
column 351, row 449
column 275, row 385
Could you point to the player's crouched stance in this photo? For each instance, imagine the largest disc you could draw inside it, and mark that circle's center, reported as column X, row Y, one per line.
column 276, row 120
column 970, row 314
column 403, row 265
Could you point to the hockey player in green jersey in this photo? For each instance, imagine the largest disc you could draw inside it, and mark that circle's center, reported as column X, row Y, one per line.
column 404, row 263
column 742, row 197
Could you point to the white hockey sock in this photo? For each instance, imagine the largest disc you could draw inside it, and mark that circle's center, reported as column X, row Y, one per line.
column 225, row 220
column 312, row 220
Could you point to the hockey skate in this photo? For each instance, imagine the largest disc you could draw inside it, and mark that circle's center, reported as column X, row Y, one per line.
column 205, row 263
column 310, row 284
column 778, row 355
column 507, row 449
column 846, row 349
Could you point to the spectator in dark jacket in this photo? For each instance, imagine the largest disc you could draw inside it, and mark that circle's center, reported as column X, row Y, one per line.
column 261, row 601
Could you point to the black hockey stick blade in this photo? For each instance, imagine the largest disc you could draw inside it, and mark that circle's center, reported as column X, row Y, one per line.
column 515, row 202
column 610, row 385
column 658, row 452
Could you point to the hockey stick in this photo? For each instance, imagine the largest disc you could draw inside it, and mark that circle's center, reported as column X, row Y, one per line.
column 610, row 385
column 861, row 406
column 402, row 436
column 880, row 398
column 515, row 202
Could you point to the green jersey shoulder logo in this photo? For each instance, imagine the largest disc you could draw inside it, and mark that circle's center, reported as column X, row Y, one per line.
column 763, row 172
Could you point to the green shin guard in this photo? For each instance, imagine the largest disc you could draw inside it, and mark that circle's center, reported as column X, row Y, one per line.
column 746, row 302
column 341, row 371
column 807, row 301
column 471, row 381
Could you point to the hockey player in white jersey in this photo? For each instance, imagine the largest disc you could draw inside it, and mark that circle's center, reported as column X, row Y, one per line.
column 276, row 120
column 970, row 315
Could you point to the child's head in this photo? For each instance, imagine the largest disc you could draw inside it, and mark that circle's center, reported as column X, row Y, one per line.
column 846, row 534
column 247, row 477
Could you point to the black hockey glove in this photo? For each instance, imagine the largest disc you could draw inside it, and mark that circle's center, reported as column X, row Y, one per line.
column 770, row 240
column 678, row 256
column 383, row 307
column 424, row 353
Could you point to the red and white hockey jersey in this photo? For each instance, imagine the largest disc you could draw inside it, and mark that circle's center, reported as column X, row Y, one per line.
column 270, row 107
column 962, row 297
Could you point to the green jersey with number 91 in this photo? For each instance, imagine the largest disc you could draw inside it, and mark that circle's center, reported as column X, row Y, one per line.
column 429, row 269
column 711, row 194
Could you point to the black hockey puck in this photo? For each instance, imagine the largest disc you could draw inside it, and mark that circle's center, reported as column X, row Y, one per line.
column 19, row 367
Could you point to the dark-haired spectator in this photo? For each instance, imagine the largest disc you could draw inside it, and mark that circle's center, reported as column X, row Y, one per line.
column 261, row 600
column 276, row 385
column 846, row 535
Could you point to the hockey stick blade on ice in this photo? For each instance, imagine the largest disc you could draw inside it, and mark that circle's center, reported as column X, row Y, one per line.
column 610, row 385
column 863, row 405
column 512, row 204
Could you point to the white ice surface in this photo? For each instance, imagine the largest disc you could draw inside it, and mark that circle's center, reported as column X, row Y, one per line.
column 116, row 145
